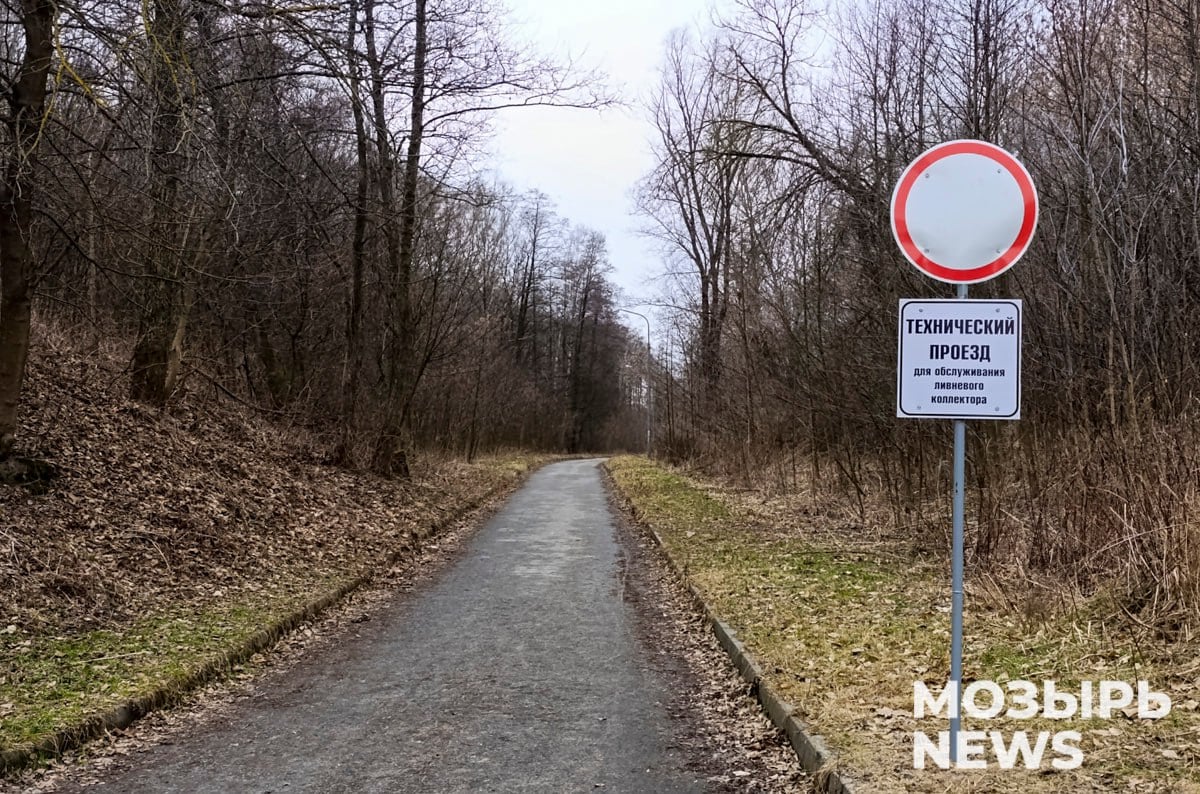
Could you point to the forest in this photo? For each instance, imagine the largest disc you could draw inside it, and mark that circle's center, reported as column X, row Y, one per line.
column 783, row 129
column 279, row 204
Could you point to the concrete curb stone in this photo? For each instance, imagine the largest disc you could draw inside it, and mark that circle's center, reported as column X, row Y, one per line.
column 815, row 756
column 74, row 736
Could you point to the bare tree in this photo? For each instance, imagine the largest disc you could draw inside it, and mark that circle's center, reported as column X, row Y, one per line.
column 23, row 126
column 690, row 196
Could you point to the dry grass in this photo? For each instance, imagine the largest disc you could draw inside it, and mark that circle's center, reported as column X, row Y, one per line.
column 844, row 617
column 1100, row 509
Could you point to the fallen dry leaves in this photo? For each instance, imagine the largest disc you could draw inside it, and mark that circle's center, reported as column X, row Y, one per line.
column 739, row 749
column 211, row 706
column 204, row 503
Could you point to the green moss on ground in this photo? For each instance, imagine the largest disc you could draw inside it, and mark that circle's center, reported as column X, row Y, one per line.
column 55, row 675
column 843, row 630
column 49, row 683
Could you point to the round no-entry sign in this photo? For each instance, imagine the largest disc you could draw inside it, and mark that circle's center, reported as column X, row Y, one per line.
column 964, row 211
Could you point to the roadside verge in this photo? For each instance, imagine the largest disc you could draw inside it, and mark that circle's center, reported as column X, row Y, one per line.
column 844, row 620
column 63, row 690
column 815, row 757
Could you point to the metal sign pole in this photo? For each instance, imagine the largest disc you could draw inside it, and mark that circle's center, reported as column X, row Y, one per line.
column 956, row 574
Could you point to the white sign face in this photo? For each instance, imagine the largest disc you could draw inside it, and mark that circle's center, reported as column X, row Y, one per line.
column 959, row 359
column 964, row 211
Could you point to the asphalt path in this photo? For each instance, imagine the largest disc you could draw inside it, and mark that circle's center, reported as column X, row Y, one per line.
column 517, row 669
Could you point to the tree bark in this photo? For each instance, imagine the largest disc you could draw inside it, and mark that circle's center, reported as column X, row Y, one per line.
column 353, row 353
column 392, row 456
column 159, row 347
column 27, row 99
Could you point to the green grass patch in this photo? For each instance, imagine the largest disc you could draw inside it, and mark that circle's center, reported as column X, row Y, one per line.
column 512, row 464
column 666, row 498
column 843, row 630
column 48, row 683
column 123, row 604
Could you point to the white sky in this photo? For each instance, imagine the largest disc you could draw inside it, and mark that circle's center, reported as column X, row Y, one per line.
column 588, row 162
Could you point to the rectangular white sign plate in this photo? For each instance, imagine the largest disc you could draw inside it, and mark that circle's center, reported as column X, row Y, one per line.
column 959, row 359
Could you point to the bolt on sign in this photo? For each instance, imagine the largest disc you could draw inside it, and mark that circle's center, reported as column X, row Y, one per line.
column 959, row 359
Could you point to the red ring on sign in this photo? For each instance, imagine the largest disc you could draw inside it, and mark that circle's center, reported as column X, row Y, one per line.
column 1009, row 256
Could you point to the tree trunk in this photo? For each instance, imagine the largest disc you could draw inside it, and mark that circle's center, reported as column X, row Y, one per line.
column 352, row 361
column 159, row 347
column 26, row 98
column 391, row 456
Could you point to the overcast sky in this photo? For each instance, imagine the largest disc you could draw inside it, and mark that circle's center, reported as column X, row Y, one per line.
column 589, row 161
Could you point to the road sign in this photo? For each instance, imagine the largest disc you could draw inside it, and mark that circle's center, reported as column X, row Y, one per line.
column 959, row 359
column 964, row 211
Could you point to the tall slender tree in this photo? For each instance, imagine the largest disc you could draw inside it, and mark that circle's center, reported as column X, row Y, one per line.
column 23, row 124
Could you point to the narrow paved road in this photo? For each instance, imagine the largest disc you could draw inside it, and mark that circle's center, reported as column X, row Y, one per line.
column 516, row 670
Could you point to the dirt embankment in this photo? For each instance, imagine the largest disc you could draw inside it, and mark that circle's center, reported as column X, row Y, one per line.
column 167, row 536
